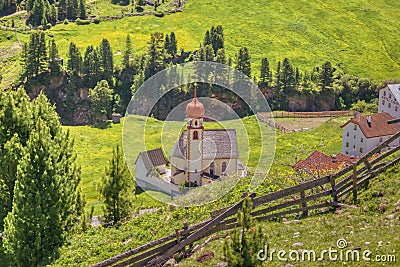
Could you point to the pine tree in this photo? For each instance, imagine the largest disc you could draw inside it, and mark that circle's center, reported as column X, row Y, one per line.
column 46, row 200
column 220, row 56
column 82, row 9
column 243, row 61
column 288, row 77
column 91, row 67
column 54, row 66
column 155, row 61
column 325, row 76
column 246, row 240
column 115, row 188
column 128, row 54
column 75, row 59
column 35, row 55
column 106, row 60
column 173, row 45
column 207, row 38
column 265, row 74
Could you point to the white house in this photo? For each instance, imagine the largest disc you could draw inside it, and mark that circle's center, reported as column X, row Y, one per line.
column 389, row 100
column 149, row 160
column 363, row 133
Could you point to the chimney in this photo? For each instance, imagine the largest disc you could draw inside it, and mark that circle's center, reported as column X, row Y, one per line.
column 356, row 114
column 369, row 120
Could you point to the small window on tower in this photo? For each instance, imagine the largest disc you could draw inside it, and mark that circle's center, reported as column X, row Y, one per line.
column 195, row 123
column 347, row 144
column 195, row 135
column 223, row 167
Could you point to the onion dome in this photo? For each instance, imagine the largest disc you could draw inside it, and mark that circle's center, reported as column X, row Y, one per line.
column 195, row 109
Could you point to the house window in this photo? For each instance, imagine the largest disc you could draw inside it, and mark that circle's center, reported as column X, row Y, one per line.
column 355, row 127
column 361, row 150
column 347, row 134
column 383, row 102
column 354, row 147
column 354, row 136
column 212, row 166
column 380, row 139
column 347, row 152
column 347, row 144
column 384, row 93
column 396, row 108
column 223, row 167
column 389, row 105
column 390, row 95
column 195, row 135
column 362, row 139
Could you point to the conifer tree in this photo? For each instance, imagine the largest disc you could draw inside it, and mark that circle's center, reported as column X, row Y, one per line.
column 75, row 59
column 106, row 60
column 128, row 54
column 265, row 75
column 46, row 201
column 82, row 9
column 115, row 188
column 243, row 61
column 246, row 240
column 54, row 66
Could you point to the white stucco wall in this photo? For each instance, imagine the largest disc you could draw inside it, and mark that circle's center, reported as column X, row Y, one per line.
column 355, row 139
column 387, row 103
column 140, row 168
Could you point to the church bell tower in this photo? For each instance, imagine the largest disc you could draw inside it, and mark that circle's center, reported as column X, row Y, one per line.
column 195, row 132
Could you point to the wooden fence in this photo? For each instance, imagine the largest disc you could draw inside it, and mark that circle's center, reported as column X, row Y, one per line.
column 317, row 195
column 316, row 114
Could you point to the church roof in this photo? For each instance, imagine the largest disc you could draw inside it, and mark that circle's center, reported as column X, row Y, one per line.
column 153, row 158
column 225, row 147
column 377, row 127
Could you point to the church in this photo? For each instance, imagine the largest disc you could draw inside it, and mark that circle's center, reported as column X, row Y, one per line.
column 201, row 156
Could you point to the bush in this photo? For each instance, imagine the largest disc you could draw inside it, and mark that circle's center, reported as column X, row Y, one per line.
column 48, row 25
column 66, row 21
column 83, row 21
column 159, row 14
column 96, row 21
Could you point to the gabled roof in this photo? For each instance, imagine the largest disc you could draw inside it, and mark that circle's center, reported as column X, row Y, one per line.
column 152, row 158
column 218, row 144
column 319, row 161
column 395, row 90
column 379, row 125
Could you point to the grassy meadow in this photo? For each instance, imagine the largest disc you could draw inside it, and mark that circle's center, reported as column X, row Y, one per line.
column 94, row 148
column 360, row 35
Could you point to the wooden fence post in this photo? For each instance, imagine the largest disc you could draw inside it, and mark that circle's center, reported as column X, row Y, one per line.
column 304, row 204
column 333, row 187
column 354, row 182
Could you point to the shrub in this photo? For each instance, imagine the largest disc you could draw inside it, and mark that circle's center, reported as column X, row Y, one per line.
column 96, row 21
column 159, row 14
column 66, row 21
column 83, row 21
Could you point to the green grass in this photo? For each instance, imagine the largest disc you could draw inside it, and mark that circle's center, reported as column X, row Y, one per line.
column 317, row 233
column 362, row 226
column 94, row 148
column 360, row 34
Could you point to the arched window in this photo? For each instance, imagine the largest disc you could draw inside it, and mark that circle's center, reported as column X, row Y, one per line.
column 223, row 167
column 195, row 135
column 195, row 122
column 212, row 166
column 347, row 144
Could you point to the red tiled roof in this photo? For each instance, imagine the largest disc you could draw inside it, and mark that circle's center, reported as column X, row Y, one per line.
column 378, row 126
column 319, row 161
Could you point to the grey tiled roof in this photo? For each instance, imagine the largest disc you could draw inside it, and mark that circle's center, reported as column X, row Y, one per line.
column 218, row 144
column 153, row 158
column 395, row 89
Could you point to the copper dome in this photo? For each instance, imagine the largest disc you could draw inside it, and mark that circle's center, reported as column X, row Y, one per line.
column 195, row 109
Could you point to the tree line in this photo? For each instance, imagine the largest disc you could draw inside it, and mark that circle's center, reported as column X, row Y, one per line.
column 86, row 69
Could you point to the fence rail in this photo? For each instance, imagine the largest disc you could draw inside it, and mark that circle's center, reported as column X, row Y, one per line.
column 320, row 194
